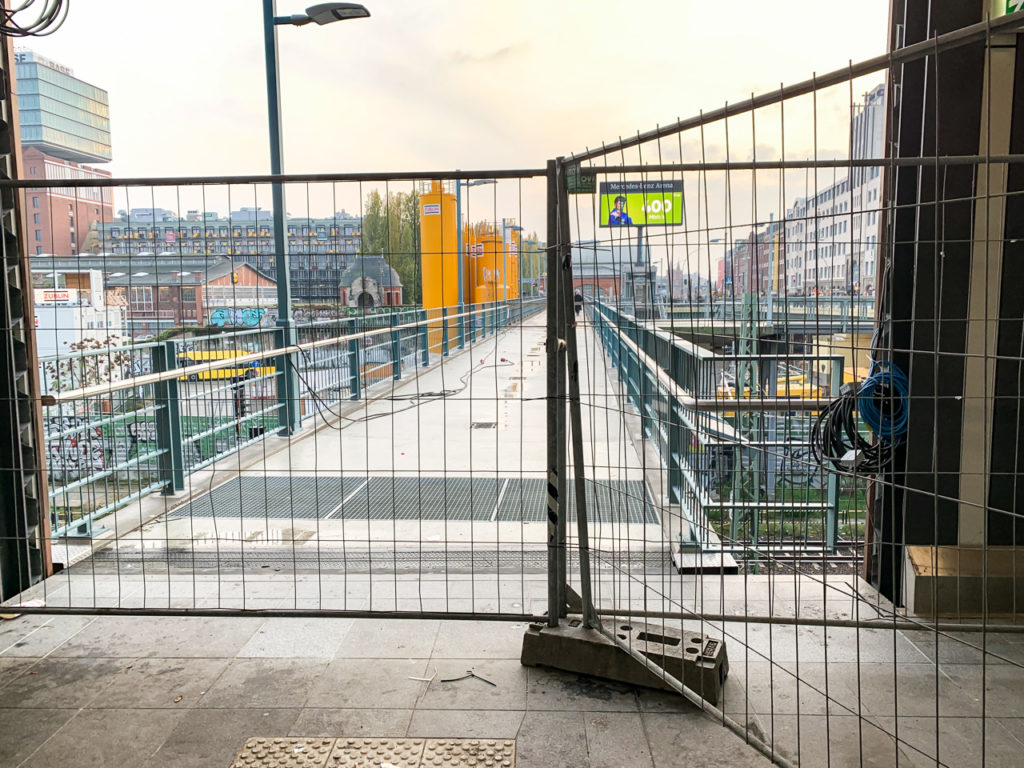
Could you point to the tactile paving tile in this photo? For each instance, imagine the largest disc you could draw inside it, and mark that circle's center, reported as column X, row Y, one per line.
column 284, row 753
column 469, row 753
column 377, row 753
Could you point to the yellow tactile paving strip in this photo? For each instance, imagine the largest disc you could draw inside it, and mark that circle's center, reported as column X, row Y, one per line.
column 283, row 752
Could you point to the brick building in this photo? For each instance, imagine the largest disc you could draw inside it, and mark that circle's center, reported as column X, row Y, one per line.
column 57, row 220
column 160, row 293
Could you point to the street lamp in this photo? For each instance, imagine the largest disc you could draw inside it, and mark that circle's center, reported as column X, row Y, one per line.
column 459, row 184
column 506, row 227
column 322, row 13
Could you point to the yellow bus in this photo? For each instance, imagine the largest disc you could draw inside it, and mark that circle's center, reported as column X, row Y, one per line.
column 247, row 370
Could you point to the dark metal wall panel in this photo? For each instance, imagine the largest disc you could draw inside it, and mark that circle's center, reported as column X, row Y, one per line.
column 937, row 112
column 1006, row 489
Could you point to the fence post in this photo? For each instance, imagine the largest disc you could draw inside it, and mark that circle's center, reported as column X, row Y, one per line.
column 168, row 420
column 462, row 326
column 444, row 331
column 424, row 338
column 555, row 501
column 353, row 369
column 396, row 352
column 570, row 373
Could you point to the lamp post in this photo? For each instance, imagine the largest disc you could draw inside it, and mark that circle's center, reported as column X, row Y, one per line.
column 506, row 227
column 322, row 13
column 459, row 184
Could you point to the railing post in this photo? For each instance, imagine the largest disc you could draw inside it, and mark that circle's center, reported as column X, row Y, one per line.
column 444, row 331
column 168, row 420
column 424, row 339
column 396, row 352
column 462, row 326
column 832, row 512
column 355, row 391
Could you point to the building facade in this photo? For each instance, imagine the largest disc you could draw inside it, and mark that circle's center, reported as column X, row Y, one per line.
column 64, row 124
column 828, row 243
column 319, row 249
column 159, row 293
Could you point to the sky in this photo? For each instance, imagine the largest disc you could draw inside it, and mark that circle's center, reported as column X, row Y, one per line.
column 470, row 84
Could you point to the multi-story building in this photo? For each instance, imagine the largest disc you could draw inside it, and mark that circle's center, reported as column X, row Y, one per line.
column 319, row 249
column 64, row 124
column 832, row 238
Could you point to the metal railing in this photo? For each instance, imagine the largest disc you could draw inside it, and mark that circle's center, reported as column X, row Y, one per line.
column 694, row 423
column 123, row 422
column 854, row 308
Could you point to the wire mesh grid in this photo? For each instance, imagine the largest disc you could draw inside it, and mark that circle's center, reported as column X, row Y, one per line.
column 795, row 313
column 771, row 353
column 377, row 448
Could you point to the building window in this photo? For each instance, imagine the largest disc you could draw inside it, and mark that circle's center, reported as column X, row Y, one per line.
column 32, row 171
column 35, row 218
column 35, row 202
column 39, row 249
column 188, row 295
column 142, row 298
column 39, row 235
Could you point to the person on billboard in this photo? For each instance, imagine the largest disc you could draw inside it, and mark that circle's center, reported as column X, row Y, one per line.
column 617, row 216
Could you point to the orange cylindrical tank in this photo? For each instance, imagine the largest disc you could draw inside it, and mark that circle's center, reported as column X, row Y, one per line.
column 440, row 261
column 489, row 267
column 439, row 248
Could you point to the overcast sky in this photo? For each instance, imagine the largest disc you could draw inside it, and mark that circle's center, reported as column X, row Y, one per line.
column 439, row 84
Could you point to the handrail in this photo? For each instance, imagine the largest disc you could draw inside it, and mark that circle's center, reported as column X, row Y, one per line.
column 234, row 361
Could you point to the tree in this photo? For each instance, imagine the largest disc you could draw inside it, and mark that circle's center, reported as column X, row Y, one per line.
column 391, row 227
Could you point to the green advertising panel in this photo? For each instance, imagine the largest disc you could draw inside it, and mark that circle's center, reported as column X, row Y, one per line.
column 641, row 203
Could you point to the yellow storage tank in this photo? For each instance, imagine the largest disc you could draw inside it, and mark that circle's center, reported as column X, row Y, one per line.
column 440, row 265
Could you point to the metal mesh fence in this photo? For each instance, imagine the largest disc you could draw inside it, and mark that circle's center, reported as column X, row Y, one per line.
column 793, row 313
column 741, row 393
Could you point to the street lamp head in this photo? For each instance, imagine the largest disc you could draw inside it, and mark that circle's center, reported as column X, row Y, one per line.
column 326, row 13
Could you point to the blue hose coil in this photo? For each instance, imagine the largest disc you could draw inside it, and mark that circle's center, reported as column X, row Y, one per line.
column 890, row 423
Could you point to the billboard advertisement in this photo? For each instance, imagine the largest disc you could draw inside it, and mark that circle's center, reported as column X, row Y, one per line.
column 641, row 203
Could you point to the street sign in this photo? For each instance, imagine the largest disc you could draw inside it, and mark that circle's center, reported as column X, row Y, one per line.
column 578, row 182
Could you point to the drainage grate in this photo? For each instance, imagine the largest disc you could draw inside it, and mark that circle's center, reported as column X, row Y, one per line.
column 271, row 496
column 484, row 425
column 523, row 500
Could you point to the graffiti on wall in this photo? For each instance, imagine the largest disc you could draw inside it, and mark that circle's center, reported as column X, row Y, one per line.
column 250, row 317
column 75, row 450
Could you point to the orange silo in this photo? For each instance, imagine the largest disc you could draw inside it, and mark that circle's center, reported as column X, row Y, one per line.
column 439, row 248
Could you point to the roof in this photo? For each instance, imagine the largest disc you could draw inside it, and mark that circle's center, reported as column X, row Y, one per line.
column 374, row 267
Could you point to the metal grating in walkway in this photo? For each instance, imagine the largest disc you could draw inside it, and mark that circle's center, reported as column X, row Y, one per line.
column 479, row 499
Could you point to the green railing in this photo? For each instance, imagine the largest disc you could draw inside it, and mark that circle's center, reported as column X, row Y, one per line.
column 124, row 422
column 742, row 485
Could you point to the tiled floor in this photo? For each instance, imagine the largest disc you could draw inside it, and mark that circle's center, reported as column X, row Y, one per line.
column 188, row 691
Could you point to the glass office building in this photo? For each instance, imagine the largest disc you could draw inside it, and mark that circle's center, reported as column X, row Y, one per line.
column 61, row 115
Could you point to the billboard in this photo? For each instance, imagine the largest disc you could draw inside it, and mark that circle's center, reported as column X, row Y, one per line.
column 641, row 203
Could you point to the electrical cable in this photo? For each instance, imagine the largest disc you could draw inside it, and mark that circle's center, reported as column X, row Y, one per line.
column 881, row 402
column 415, row 399
column 50, row 19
